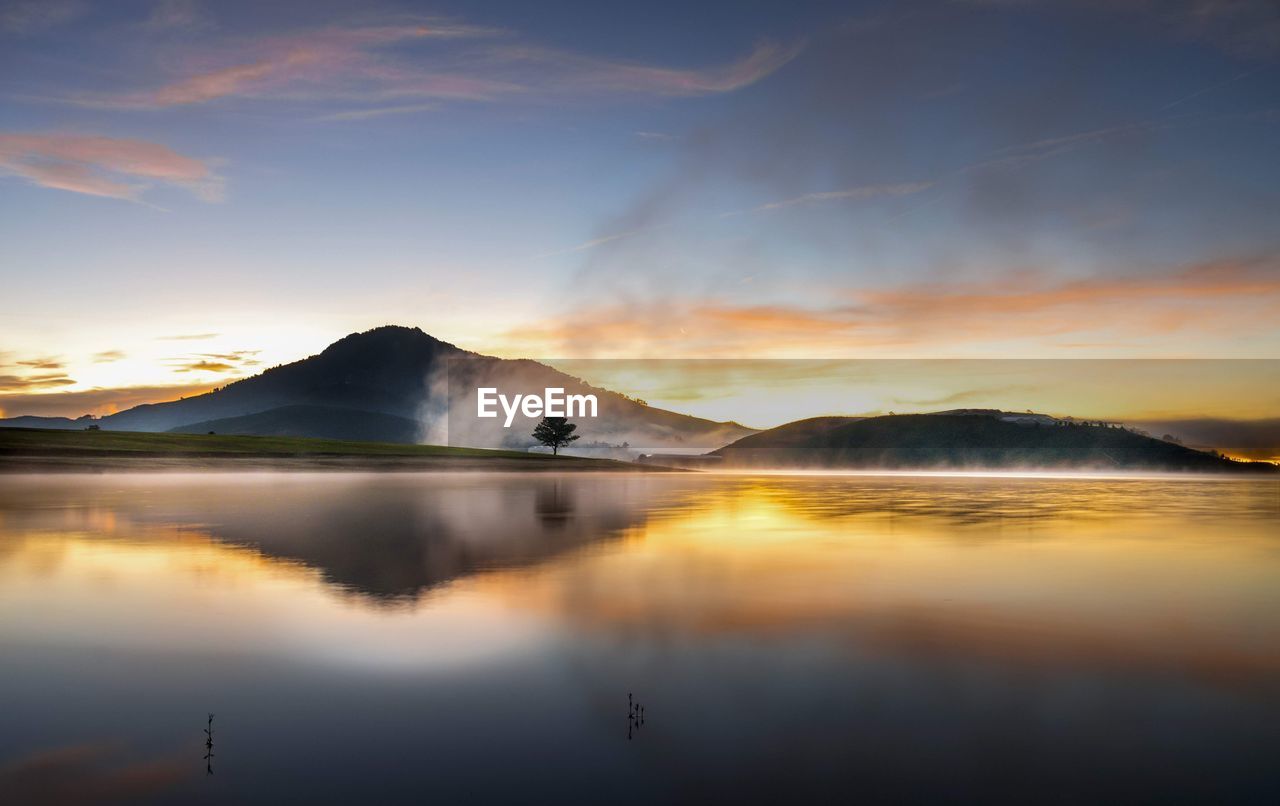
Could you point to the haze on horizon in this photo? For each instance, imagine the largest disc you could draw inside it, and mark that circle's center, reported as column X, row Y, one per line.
column 191, row 192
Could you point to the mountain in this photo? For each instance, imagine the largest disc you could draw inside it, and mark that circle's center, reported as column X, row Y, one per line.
column 381, row 371
column 399, row 384
column 972, row 439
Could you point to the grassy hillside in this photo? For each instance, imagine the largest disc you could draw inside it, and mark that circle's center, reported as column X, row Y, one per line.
column 322, row 422
column 29, row 448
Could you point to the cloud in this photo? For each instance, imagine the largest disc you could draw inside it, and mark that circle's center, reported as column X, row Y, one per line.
column 850, row 194
column 36, row 16
column 968, row 395
column 107, row 356
column 235, row 355
column 233, row 361
column 330, row 62
column 206, row 366
column 103, row 166
column 1226, row 298
column 377, row 112
column 578, row 73
column 189, row 337
column 22, row 383
column 584, row 246
column 422, row 59
column 50, row 362
column 93, row 401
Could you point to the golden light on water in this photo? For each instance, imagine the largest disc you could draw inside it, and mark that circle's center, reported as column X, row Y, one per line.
column 1022, row 569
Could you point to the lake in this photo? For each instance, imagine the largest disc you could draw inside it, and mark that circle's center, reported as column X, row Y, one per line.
column 457, row 638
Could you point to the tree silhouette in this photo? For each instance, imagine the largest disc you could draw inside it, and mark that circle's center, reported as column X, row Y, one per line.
column 555, row 433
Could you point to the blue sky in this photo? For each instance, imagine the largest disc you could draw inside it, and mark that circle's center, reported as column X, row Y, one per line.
column 921, row 179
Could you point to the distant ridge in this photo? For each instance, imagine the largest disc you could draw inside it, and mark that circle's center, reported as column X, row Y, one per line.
column 967, row 440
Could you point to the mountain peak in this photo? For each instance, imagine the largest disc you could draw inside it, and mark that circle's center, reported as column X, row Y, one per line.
column 389, row 336
column 403, row 343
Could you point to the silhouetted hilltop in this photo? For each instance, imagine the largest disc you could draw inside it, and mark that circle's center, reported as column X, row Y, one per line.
column 383, row 371
column 956, row 440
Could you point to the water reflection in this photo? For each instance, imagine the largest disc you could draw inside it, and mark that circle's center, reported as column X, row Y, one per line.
column 967, row 640
column 208, row 747
column 635, row 717
column 87, row 774
column 388, row 538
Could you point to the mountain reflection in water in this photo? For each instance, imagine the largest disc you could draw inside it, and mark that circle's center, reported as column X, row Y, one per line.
column 812, row 638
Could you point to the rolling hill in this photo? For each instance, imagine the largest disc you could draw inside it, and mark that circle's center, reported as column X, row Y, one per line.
column 966, row 440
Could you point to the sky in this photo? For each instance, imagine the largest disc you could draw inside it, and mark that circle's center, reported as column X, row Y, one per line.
column 191, row 192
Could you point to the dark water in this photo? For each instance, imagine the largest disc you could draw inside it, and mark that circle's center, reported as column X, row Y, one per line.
column 474, row 638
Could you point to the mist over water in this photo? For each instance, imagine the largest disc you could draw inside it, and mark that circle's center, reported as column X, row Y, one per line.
column 402, row 638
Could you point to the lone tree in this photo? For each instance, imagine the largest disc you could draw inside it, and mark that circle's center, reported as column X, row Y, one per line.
column 555, row 433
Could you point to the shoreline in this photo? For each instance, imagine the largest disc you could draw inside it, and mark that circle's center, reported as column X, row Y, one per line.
column 62, row 451
column 317, row 462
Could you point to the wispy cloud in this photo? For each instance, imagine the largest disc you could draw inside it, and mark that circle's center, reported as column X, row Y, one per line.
column 189, row 337
column 1221, row 299
column 987, row 394
column 849, row 194
column 422, row 59
column 103, row 166
column 378, row 112
column 579, row 73
column 328, row 63
column 107, row 356
column 221, row 363
column 205, row 365
column 26, row 383
column 584, row 246
column 51, row 362
column 245, row 358
column 24, row 400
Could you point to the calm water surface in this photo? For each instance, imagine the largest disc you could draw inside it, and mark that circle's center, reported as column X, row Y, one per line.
column 382, row 638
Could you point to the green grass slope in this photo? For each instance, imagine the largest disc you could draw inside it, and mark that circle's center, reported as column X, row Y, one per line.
column 28, row 448
column 323, row 422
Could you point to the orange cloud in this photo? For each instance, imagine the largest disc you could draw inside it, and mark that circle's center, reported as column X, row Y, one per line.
column 1223, row 298
column 92, row 401
column 331, row 61
column 50, row 362
column 220, row 83
column 102, row 166
column 11, row 383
